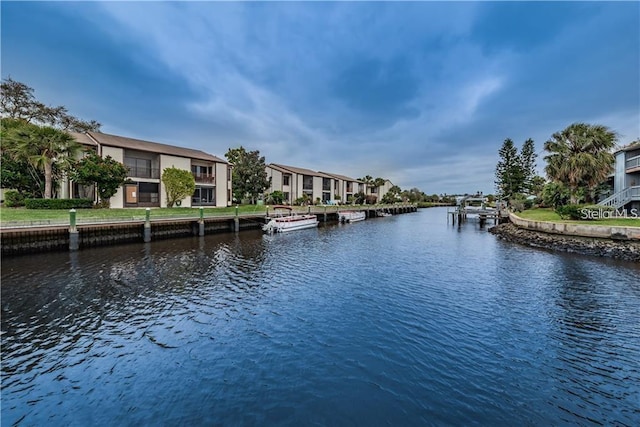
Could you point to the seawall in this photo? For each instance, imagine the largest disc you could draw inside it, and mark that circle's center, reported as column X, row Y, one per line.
column 33, row 239
column 614, row 242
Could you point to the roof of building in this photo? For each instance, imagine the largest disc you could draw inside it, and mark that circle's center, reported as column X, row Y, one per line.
column 300, row 171
column 140, row 145
column 83, row 139
column 635, row 145
column 343, row 177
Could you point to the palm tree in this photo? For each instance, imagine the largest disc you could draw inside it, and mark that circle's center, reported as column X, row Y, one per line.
column 42, row 146
column 580, row 157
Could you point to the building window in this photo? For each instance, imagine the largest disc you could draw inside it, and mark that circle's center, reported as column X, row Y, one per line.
column 307, row 182
column 326, row 184
column 141, row 168
column 204, row 196
column 286, row 197
column 203, row 174
column 286, row 179
column 229, row 170
column 83, row 191
column 148, row 193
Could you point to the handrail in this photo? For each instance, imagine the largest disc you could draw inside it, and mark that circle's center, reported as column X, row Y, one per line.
column 623, row 197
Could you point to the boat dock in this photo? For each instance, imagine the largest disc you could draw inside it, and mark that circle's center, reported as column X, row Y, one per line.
column 476, row 208
column 72, row 236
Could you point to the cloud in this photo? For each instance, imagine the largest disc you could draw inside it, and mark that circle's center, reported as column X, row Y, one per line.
column 423, row 93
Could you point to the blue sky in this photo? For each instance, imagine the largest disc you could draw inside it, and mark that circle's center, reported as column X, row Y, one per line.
column 422, row 93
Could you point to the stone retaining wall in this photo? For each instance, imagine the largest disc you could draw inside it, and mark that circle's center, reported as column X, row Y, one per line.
column 561, row 239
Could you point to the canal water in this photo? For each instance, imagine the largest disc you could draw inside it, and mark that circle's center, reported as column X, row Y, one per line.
column 403, row 320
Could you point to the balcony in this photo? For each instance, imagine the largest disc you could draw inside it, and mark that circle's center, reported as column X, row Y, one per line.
column 204, row 178
column 633, row 164
column 143, row 172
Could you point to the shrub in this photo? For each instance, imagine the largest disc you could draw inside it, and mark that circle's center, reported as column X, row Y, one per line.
column 13, row 199
column 555, row 194
column 58, row 203
column 275, row 198
column 569, row 212
column 518, row 202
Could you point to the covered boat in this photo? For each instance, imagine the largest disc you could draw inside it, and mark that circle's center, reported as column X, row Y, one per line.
column 351, row 216
column 285, row 219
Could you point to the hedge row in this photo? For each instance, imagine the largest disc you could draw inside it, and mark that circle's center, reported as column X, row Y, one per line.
column 58, row 203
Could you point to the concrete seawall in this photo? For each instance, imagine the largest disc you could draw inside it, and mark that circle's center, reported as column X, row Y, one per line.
column 608, row 241
column 32, row 239
column 583, row 230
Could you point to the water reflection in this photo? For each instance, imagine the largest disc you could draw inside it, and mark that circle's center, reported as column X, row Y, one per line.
column 399, row 320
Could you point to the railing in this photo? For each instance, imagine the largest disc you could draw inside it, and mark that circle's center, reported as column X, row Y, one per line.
column 633, row 163
column 143, row 172
column 623, row 197
column 205, row 179
column 148, row 198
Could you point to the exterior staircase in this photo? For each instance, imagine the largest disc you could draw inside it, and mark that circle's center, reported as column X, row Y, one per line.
column 623, row 197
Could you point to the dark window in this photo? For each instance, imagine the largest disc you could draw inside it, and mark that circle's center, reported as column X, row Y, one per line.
column 204, row 196
column 307, row 182
column 148, row 193
column 141, row 168
column 285, row 179
column 326, row 184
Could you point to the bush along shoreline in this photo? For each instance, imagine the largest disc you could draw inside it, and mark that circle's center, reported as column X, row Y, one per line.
column 627, row 250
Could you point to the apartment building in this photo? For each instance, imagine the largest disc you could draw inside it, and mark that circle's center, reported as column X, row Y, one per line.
column 347, row 187
column 296, row 182
column 146, row 160
column 626, row 179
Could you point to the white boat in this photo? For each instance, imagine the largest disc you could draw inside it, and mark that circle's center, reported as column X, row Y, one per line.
column 351, row 216
column 283, row 221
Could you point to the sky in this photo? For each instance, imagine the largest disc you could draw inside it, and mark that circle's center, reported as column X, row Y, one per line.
column 421, row 93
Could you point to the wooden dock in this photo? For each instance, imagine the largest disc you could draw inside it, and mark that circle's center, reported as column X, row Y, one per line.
column 24, row 239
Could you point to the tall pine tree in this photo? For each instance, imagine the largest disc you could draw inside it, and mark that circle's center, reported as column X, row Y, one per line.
column 509, row 175
column 528, row 163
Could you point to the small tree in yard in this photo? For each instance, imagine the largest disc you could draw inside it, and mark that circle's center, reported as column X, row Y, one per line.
column 107, row 174
column 178, row 184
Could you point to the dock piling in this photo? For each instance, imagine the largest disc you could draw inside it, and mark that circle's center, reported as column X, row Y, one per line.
column 74, row 236
column 147, row 226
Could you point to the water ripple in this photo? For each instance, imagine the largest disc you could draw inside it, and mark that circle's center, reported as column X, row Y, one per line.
column 398, row 321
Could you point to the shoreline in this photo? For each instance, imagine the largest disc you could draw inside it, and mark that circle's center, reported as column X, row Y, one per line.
column 627, row 250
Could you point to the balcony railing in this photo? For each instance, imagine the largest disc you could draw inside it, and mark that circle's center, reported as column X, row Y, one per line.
column 204, row 179
column 633, row 163
column 142, row 172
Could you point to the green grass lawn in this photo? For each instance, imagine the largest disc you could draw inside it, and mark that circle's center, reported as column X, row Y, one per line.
column 548, row 214
column 22, row 216
column 26, row 217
